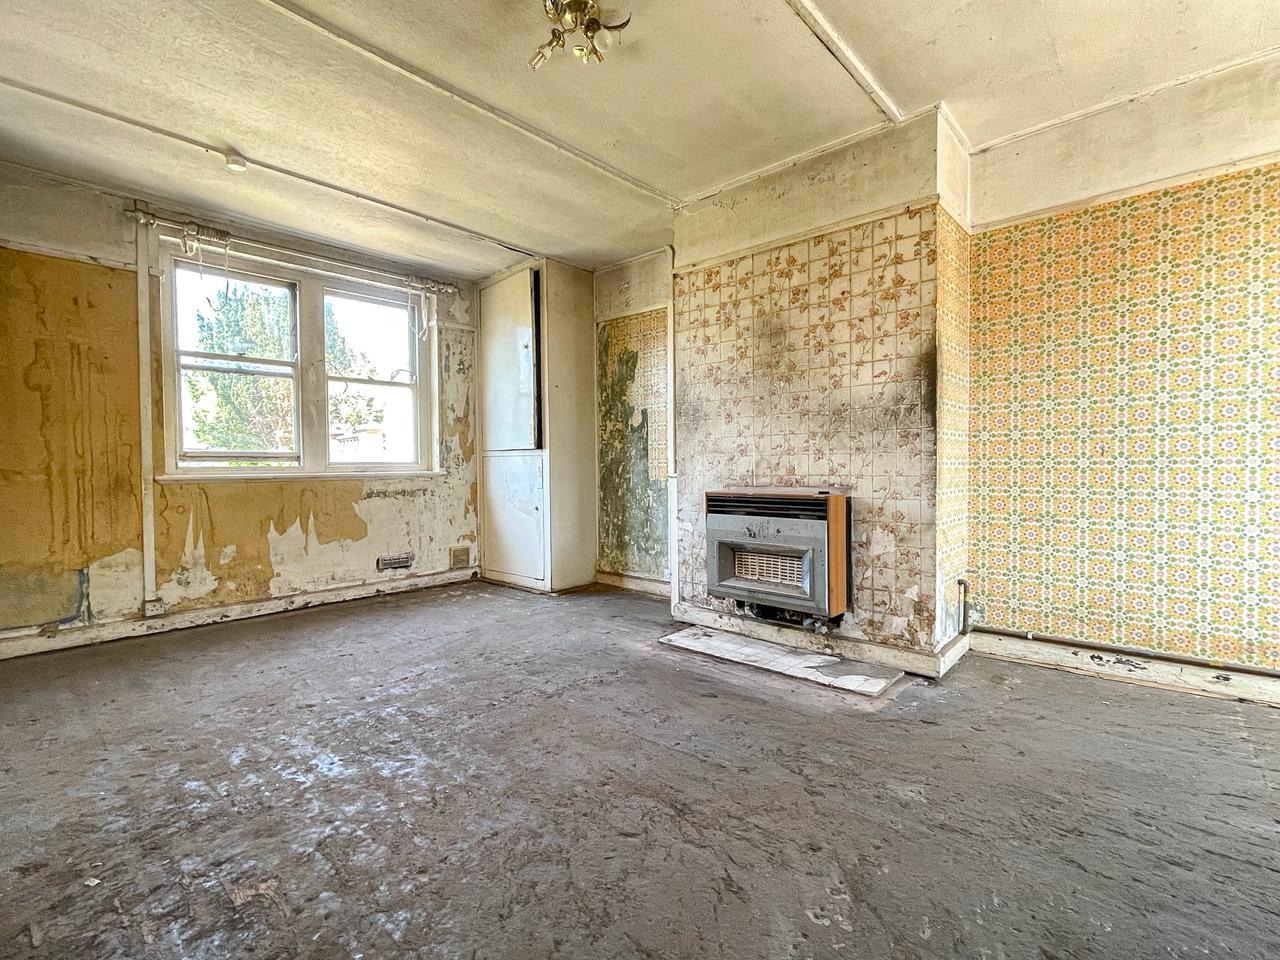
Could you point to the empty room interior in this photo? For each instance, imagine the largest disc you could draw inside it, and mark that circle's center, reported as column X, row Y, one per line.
column 647, row 479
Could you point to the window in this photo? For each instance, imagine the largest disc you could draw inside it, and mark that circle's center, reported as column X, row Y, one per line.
column 371, row 364
column 280, row 370
column 238, row 361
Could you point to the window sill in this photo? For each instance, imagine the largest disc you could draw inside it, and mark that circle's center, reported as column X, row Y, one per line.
column 196, row 476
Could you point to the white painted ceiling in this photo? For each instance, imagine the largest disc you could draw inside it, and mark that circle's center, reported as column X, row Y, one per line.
column 415, row 129
column 1004, row 66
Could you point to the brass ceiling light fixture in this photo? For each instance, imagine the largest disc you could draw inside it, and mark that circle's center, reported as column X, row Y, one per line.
column 570, row 16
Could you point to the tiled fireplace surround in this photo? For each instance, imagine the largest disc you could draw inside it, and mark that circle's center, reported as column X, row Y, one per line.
column 815, row 363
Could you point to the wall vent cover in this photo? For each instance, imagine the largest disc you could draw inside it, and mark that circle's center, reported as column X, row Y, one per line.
column 459, row 558
column 396, row 561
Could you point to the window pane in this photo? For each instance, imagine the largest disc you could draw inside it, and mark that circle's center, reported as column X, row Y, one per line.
column 236, row 411
column 367, row 340
column 371, row 424
column 220, row 314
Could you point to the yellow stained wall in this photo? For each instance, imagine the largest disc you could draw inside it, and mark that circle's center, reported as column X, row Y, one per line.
column 69, row 447
column 1125, row 422
column 70, row 504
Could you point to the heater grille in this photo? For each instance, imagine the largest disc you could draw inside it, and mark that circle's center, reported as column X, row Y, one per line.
column 769, row 568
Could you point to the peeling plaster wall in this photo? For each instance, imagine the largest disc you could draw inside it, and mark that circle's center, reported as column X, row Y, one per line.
column 237, row 541
column 70, row 504
column 1125, row 412
column 813, row 364
column 631, row 394
column 632, row 307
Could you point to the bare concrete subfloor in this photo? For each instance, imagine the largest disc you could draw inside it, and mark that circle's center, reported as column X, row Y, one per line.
column 480, row 772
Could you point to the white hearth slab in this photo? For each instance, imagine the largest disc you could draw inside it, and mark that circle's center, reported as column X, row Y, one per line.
column 850, row 675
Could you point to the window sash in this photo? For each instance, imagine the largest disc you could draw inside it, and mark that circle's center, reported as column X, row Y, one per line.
column 415, row 407
column 219, row 271
column 207, row 453
column 412, row 327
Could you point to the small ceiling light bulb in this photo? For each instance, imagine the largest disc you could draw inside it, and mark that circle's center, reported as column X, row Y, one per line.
column 603, row 39
column 237, row 163
column 540, row 56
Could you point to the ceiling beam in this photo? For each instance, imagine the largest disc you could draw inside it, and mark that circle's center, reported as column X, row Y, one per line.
column 261, row 165
column 406, row 69
column 843, row 51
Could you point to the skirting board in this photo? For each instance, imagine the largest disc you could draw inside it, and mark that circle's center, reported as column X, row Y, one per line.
column 919, row 662
column 23, row 644
column 1149, row 671
column 658, row 588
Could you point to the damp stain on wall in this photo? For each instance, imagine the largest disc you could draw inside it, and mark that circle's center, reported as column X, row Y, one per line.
column 813, row 364
column 69, row 452
column 238, row 541
column 631, row 378
column 213, row 540
column 70, row 473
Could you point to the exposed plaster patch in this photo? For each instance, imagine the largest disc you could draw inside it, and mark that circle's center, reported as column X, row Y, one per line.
column 459, row 310
column 882, row 542
column 115, row 586
column 192, row 578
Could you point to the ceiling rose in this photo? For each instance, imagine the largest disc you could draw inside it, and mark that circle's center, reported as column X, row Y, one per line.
column 570, row 16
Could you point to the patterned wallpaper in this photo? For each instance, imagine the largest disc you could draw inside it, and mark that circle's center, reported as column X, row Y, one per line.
column 631, row 400
column 1126, row 422
column 954, row 306
column 812, row 364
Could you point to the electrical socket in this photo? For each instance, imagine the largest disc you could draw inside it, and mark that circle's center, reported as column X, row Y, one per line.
column 153, row 608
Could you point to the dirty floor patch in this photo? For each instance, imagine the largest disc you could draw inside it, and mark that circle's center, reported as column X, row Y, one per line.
column 482, row 773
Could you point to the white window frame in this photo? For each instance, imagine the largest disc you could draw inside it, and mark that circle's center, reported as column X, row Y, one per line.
column 311, row 391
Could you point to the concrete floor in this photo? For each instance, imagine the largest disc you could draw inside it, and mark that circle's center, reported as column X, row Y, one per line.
column 479, row 772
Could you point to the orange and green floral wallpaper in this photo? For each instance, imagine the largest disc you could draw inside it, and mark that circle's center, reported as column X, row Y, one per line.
column 955, row 266
column 1125, row 422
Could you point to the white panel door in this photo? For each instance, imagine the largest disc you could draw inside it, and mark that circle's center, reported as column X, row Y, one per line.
column 514, row 526
column 508, row 366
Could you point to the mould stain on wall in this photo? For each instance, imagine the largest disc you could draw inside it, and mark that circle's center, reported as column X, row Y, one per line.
column 631, row 388
column 69, row 453
column 813, row 364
